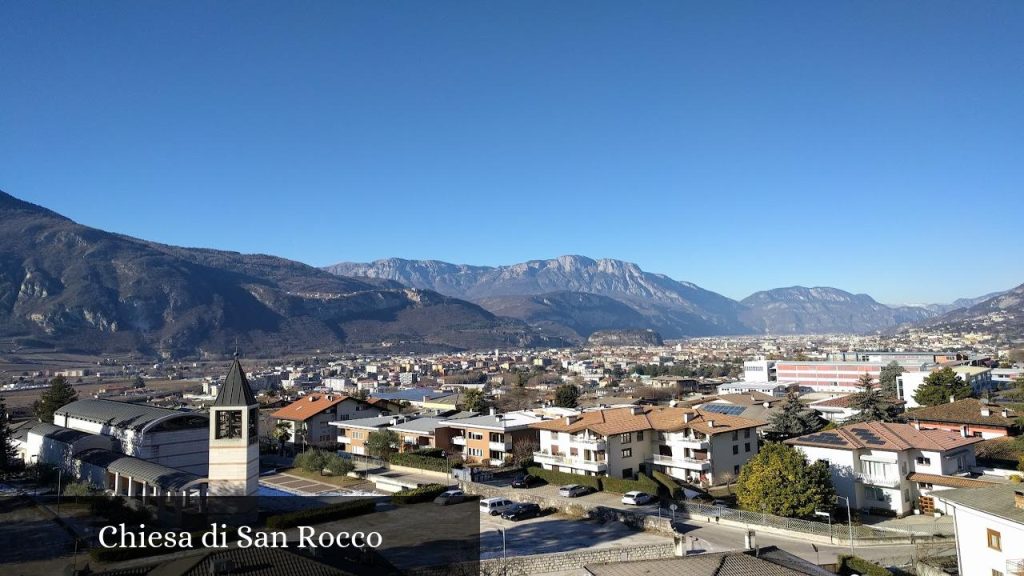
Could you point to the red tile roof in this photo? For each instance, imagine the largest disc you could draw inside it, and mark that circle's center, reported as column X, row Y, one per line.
column 633, row 419
column 966, row 411
column 308, row 406
column 884, row 436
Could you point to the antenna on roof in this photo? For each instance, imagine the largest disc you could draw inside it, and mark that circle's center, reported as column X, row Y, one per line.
column 236, row 347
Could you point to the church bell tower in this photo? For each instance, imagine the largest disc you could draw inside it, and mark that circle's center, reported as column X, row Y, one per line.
column 234, row 438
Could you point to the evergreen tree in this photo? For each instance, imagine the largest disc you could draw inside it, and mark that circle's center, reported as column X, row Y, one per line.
column 872, row 404
column 887, row 378
column 58, row 394
column 473, row 400
column 8, row 456
column 794, row 419
column 567, row 396
column 939, row 386
column 780, row 481
column 382, row 443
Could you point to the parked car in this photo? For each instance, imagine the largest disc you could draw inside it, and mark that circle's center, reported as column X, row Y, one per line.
column 574, row 490
column 525, row 481
column 495, row 506
column 637, row 498
column 521, row 511
column 450, row 497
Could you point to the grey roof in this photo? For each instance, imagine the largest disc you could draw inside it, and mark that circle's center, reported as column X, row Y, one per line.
column 997, row 500
column 770, row 562
column 375, row 422
column 259, row 561
column 59, row 433
column 118, row 414
column 412, row 394
column 151, row 472
column 423, row 425
column 235, row 390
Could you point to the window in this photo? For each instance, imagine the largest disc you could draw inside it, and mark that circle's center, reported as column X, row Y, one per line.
column 736, row 469
column 924, row 461
column 746, row 446
column 735, row 448
column 254, row 426
column 475, row 436
column 496, row 455
column 627, row 452
column 995, row 540
column 357, row 435
column 735, row 435
column 640, row 436
column 625, row 438
column 746, row 433
column 475, row 451
column 874, row 493
column 497, row 437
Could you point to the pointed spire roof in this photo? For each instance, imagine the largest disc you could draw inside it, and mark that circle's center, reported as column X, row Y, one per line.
column 235, row 391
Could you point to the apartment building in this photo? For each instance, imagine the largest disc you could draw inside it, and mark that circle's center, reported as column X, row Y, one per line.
column 309, row 418
column 351, row 435
column 890, row 467
column 989, row 524
column 685, row 443
column 489, row 438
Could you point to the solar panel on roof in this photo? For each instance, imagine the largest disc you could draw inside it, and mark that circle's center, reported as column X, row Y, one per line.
column 727, row 409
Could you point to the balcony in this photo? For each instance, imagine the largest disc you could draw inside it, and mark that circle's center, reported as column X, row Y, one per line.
column 570, row 461
column 459, row 440
column 500, row 446
column 344, row 440
column 1015, row 567
column 680, row 462
column 877, row 480
column 691, row 443
column 597, row 444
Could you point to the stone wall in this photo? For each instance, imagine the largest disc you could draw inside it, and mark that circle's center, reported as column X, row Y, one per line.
column 558, row 562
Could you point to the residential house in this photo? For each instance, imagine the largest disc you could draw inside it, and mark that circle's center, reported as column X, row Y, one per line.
column 872, row 462
column 352, row 434
column 989, row 524
column 685, row 443
column 840, row 409
column 490, row 438
column 309, row 418
column 969, row 417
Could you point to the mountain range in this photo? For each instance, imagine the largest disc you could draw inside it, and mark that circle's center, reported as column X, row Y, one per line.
column 574, row 296
column 70, row 287
column 74, row 288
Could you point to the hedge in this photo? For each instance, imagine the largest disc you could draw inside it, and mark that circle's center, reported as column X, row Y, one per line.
column 675, row 491
column 856, row 565
column 328, row 513
column 563, row 478
column 424, row 493
column 419, row 460
column 643, row 483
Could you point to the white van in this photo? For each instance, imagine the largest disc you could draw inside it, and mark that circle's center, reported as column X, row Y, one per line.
column 495, row 506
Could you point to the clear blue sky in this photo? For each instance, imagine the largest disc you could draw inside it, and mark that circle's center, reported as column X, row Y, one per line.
column 872, row 146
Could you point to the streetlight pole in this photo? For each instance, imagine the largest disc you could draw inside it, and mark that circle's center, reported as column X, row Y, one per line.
column 60, row 476
column 849, row 520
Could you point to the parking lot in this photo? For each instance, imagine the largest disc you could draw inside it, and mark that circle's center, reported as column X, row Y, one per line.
column 550, row 491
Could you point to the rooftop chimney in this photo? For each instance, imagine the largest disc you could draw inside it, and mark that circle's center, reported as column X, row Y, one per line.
column 636, row 410
column 569, row 420
column 687, row 416
column 492, row 411
column 917, row 424
column 1005, row 413
column 985, row 411
column 1018, row 499
column 711, row 423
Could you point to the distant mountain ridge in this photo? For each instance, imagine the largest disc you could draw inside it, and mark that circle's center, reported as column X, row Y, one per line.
column 801, row 310
column 675, row 309
column 77, row 288
column 1001, row 316
column 672, row 308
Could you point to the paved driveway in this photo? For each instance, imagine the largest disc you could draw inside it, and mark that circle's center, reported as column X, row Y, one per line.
column 606, row 499
column 557, row 533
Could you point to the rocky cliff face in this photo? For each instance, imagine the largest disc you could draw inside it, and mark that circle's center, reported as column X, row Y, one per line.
column 800, row 310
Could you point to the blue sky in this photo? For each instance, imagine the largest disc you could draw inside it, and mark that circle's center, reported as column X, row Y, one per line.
column 871, row 146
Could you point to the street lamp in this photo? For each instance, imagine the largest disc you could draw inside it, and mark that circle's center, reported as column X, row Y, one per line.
column 849, row 520
column 829, row 516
